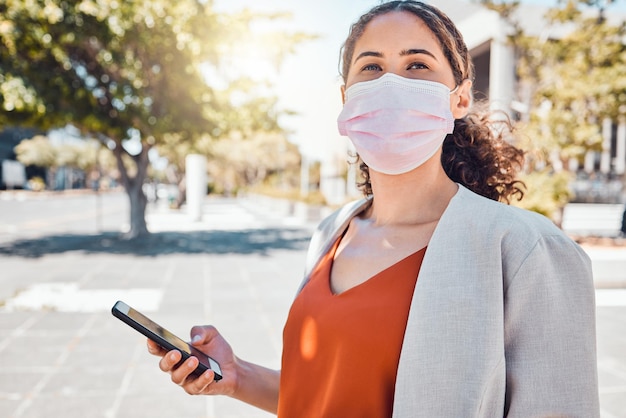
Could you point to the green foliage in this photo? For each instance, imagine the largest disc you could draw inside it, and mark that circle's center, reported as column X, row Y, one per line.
column 546, row 192
column 84, row 155
column 265, row 158
column 105, row 67
column 505, row 8
column 36, row 151
column 36, row 184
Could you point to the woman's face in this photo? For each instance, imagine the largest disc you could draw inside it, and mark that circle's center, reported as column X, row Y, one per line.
column 401, row 43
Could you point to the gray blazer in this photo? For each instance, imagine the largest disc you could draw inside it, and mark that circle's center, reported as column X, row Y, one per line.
column 502, row 320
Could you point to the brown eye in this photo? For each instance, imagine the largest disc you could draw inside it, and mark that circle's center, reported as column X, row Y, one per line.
column 417, row 66
column 371, row 67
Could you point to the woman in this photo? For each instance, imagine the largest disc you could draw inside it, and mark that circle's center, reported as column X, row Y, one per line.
column 428, row 298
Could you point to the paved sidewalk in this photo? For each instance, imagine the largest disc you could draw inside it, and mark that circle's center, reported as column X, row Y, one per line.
column 62, row 354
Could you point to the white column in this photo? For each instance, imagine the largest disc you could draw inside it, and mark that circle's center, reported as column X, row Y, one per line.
column 590, row 161
column 196, row 178
column 501, row 71
column 605, row 158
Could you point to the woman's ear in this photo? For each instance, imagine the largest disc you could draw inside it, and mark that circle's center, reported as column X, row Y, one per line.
column 461, row 100
column 343, row 94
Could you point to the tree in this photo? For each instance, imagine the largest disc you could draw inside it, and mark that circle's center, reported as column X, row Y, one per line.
column 37, row 151
column 252, row 144
column 567, row 85
column 121, row 72
column 84, row 155
column 242, row 163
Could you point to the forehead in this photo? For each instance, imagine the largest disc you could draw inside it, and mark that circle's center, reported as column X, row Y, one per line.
column 397, row 31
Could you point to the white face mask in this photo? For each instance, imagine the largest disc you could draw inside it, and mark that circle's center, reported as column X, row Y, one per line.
column 396, row 123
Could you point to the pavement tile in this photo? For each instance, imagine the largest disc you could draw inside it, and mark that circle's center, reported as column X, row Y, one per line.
column 64, row 406
column 8, row 407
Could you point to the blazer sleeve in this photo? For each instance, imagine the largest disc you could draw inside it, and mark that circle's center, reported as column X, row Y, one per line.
column 550, row 345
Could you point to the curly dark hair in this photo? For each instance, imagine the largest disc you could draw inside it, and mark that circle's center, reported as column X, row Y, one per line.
column 477, row 154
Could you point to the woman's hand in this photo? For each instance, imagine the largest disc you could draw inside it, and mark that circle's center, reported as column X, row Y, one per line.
column 208, row 340
column 248, row 382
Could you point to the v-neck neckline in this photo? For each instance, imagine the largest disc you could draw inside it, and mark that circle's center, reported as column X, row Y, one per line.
column 374, row 277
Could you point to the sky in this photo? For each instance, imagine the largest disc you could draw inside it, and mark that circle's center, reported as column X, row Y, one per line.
column 308, row 82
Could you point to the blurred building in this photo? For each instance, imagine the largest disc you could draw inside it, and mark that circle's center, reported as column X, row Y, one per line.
column 13, row 174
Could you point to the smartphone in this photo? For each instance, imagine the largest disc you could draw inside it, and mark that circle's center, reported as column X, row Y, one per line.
column 165, row 339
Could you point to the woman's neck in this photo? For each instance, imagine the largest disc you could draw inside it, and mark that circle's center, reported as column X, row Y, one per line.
column 417, row 197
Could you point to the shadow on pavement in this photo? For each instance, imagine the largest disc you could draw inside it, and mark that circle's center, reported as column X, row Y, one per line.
column 251, row 241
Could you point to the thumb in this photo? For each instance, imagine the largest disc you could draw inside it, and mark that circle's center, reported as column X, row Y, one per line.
column 197, row 339
column 202, row 334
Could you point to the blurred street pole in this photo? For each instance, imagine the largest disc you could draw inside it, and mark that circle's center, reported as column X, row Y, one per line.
column 196, row 178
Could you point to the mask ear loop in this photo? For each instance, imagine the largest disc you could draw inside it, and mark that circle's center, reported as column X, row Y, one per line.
column 454, row 90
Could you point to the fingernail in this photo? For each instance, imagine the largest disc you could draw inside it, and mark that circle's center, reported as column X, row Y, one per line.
column 196, row 339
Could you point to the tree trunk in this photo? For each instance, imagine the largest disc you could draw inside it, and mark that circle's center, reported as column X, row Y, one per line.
column 138, row 203
column 182, row 193
column 134, row 190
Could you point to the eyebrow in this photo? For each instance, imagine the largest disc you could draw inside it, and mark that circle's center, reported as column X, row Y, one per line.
column 369, row 54
column 403, row 53
column 416, row 52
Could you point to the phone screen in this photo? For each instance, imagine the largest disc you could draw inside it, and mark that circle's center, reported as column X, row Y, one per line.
column 163, row 337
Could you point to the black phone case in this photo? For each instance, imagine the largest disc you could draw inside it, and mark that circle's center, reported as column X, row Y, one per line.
column 164, row 343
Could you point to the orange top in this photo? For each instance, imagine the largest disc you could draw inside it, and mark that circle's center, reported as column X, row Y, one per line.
column 341, row 352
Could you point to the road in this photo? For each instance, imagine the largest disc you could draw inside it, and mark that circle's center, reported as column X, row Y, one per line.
column 62, row 266
column 32, row 215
